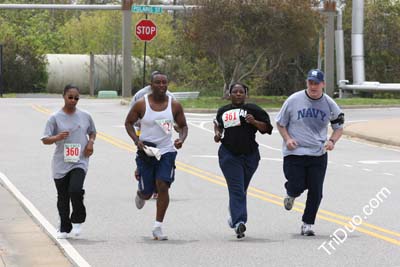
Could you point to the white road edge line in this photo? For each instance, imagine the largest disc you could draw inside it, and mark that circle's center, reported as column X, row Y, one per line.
column 63, row 244
column 210, row 131
column 389, row 174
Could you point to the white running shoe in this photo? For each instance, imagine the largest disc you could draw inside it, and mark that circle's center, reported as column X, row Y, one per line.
column 158, row 234
column 76, row 229
column 288, row 202
column 230, row 223
column 139, row 202
column 62, row 235
column 306, row 230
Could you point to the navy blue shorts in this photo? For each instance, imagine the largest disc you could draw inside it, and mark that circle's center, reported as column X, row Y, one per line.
column 152, row 169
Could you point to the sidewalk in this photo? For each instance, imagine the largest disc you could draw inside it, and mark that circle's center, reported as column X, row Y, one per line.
column 24, row 243
column 379, row 131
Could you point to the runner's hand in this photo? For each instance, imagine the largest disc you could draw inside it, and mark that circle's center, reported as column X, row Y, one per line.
column 329, row 145
column 89, row 149
column 140, row 145
column 250, row 119
column 217, row 137
column 137, row 176
column 291, row 144
column 62, row 135
column 178, row 143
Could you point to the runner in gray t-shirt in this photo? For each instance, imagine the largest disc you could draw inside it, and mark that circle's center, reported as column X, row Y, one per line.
column 73, row 131
column 302, row 122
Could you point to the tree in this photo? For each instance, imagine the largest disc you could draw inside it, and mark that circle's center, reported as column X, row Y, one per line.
column 239, row 35
column 100, row 33
column 24, row 35
column 382, row 41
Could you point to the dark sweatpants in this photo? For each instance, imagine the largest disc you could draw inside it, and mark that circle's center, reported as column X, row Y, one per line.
column 70, row 188
column 238, row 171
column 306, row 172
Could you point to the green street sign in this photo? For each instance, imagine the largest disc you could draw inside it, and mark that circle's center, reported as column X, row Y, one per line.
column 147, row 9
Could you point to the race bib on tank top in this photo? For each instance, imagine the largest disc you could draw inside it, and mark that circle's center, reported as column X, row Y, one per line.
column 166, row 125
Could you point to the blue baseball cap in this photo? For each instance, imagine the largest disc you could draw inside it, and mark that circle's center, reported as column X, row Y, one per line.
column 315, row 75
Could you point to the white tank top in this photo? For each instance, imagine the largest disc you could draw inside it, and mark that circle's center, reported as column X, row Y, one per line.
column 157, row 127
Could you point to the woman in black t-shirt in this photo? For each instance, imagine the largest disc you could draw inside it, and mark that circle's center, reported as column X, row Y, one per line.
column 235, row 126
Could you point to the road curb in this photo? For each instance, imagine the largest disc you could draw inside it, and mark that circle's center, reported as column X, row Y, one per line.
column 372, row 138
column 63, row 244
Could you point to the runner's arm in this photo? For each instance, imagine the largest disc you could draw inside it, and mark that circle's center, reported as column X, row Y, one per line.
column 54, row 138
column 134, row 114
column 180, row 119
column 289, row 141
column 89, row 147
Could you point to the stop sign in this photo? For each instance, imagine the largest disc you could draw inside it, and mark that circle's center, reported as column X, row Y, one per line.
column 146, row 30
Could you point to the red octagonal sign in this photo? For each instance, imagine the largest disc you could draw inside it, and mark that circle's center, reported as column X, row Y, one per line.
column 146, row 30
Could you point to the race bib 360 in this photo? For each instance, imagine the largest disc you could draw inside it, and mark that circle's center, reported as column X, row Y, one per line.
column 72, row 152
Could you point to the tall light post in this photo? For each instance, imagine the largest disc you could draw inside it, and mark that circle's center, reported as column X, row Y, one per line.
column 329, row 9
column 1, row 70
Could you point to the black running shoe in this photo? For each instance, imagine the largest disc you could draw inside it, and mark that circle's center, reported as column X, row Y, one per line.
column 240, row 229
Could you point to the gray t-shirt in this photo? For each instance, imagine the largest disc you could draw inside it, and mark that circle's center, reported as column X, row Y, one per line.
column 306, row 121
column 79, row 125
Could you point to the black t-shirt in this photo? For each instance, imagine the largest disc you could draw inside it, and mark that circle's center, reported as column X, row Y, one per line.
column 239, row 137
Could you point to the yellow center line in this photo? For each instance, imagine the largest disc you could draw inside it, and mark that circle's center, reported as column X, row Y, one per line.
column 252, row 191
column 279, row 203
column 302, row 205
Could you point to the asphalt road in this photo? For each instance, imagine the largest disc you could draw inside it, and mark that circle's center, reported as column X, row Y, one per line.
column 117, row 234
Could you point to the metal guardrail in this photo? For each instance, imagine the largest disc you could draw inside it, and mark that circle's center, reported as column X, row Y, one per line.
column 186, row 95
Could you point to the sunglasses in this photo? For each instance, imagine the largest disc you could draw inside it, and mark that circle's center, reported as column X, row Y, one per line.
column 76, row 97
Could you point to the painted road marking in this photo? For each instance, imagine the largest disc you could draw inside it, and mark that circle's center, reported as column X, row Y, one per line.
column 260, row 194
column 67, row 248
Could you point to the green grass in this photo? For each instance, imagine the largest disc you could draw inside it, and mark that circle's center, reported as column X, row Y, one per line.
column 10, row 95
column 277, row 101
column 216, row 102
column 368, row 101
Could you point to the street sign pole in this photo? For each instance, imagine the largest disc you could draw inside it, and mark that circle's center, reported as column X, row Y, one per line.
column 146, row 32
column 144, row 61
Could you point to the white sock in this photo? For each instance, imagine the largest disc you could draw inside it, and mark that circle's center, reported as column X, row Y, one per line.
column 157, row 224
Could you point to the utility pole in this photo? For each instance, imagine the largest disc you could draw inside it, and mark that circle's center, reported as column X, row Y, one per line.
column 126, row 6
column 330, row 12
column 126, row 48
column 1, row 70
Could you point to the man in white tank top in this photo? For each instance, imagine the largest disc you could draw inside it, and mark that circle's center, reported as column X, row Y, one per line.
column 157, row 112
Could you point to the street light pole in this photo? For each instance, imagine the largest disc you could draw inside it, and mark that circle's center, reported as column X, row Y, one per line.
column 1, row 70
column 330, row 12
